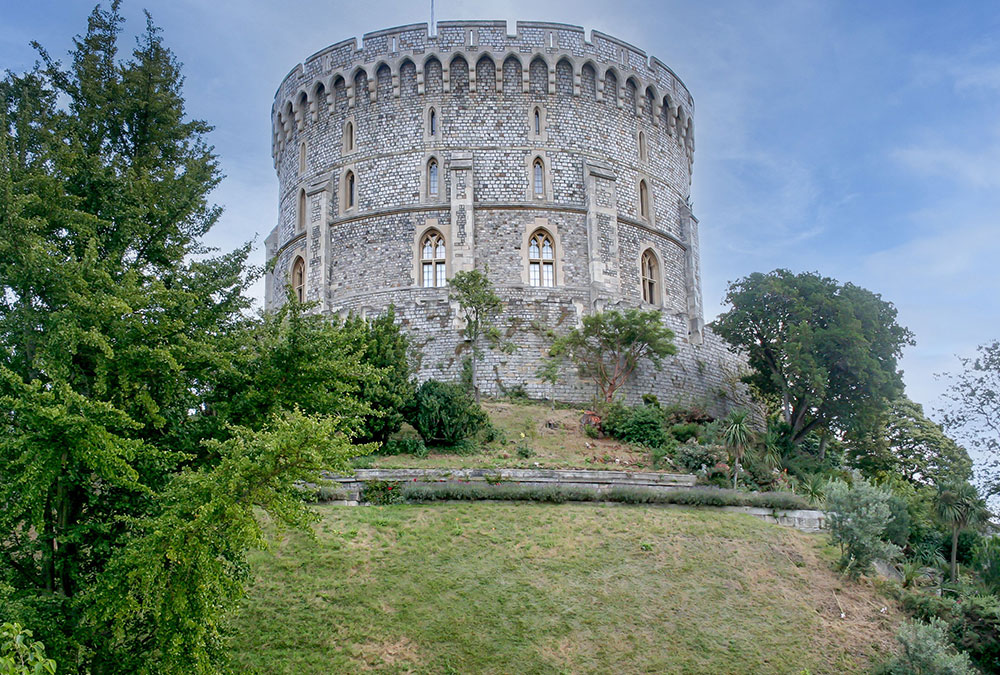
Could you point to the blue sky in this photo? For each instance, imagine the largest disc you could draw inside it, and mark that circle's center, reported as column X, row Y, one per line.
column 859, row 139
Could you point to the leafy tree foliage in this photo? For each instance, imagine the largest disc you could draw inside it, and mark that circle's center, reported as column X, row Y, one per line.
column 127, row 491
column 825, row 352
column 908, row 445
column 926, row 648
column 611, row 344
column 20, row 655
column 857, row 518
column 973, row 413
column 443, row 413
column 481, row 307
column 958, row 506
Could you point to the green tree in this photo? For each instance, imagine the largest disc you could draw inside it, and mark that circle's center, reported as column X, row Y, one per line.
column 481, row 307
column 857, row 516
column 958, row 506
column 118, row 330
column 738, row 435
column 927, row 650
column 906, row 444
column 611, row 344
column 20, row 655
column 973, row 411
column 825, row 352
column 548, row 371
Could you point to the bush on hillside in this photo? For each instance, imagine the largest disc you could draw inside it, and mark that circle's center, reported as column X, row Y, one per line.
column 642, row 425
column 445, row 414
column 857, row 518
column 686, row 431
column 925, row 650
column 700, row 458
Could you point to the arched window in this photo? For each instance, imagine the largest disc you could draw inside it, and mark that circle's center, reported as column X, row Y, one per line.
column 538, row 178
column 541, row 259
column 349, row 136
column 538, row 122
column 302, row 158
column 350, row 190
column 650, row 274
column 432, row 122
column 642, row 147
column 432, row 177
column 432, row 260
column 300, row 218
column 643, row 199
column 299, row 279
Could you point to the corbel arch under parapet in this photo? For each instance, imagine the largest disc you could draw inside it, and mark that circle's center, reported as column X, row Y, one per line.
column 486, row 68
column 538, row 75
column 612, row 82
column 631, row 90
column 652, row 99
column 516, row 83
column 405, row 65
column 589, row 80
column 567, row 76
column 460, row 77
column 427, row 82
column 383, row 80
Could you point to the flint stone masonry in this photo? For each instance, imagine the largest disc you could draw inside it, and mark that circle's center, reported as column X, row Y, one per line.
column 365, row 111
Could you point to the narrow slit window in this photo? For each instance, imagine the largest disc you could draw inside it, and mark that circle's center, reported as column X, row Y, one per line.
column 538, row 122
column 302, row 158
column 432, row 178
column 349, row 136
column 642, row 146
column 299, row 279
column 541, row 260
column 433, row 256
column 351, row 190
column 433, row 122
column 643, row 199
column 538, row 178
column 650, row 274
column 300, row 221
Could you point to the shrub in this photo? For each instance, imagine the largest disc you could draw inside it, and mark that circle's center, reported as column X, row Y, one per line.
column 381, row 492
column 700, row 458
column 683, row 432
column 898, row 529
column 642, row 425
column 590, row 431
column 975, row 629
column 404, row 446
column 926, row 649
column 427, row 492
column 390, row 389
column 987, row 561
column 444, row 413
column 857, row 520
column 525, row 451
column 664, row 453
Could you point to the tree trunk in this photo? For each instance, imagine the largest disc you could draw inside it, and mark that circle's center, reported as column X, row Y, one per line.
column 954, row 555
column 823, row 440
column 475, row 378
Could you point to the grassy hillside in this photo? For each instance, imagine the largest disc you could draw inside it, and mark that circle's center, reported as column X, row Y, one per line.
column 498, row 588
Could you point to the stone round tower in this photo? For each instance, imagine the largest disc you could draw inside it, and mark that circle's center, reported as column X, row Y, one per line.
column 558, row 164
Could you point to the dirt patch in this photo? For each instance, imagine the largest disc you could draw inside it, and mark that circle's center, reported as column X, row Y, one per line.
column 372, row 655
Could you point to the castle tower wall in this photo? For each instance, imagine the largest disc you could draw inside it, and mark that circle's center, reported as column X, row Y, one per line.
column 378, row 144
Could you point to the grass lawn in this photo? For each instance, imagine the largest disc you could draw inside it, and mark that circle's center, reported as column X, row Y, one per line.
column 541, row 588
column 553, row 436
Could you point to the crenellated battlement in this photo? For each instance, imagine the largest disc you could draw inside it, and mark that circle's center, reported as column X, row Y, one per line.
column 344, row 70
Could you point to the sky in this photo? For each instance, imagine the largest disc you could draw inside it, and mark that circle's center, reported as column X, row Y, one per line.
column 857, row 139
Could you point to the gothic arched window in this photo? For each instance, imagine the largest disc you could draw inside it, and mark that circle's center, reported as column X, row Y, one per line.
column 650, row 275
column 299, row 279
column 538, row 122
column 541, row 259
column 538, row 178
column 432, row 178
column 432, row 259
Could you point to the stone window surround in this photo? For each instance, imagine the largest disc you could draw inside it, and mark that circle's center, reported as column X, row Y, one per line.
column 650, row 216
column 342, row 192
column 301, row 210
column 546, row 176
column 530, row 228
column 418, row 237
column 436, row 138
column 542, row 136
column 349, row 135
column 425, row 193
column 661, row 289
